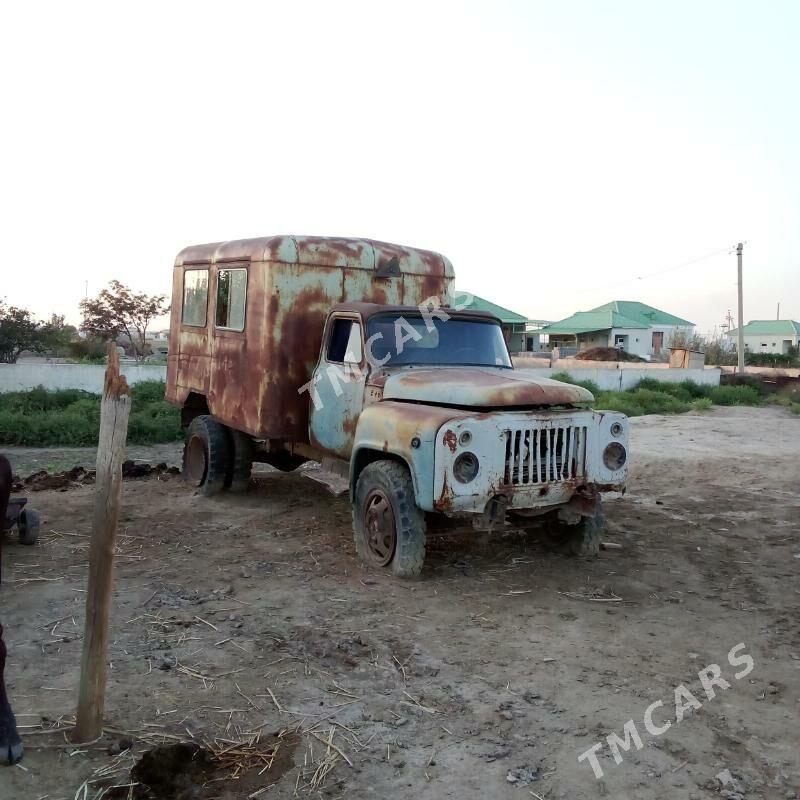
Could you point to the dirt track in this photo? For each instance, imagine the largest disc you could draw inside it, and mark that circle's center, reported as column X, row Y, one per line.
column 486, row 678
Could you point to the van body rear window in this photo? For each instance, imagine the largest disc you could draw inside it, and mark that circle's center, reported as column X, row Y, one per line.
column 231, row 298
column 195, row 297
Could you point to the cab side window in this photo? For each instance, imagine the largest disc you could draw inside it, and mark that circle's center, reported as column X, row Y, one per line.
column 344, row 342
column 231, row 298
column 195, row 297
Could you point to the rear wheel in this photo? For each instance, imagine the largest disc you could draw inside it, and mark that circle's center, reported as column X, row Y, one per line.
column 207, row 455
column 241, row 461
column 388, row 527
column 28, row 526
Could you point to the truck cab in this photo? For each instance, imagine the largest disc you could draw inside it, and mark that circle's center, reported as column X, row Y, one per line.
column 413, row 409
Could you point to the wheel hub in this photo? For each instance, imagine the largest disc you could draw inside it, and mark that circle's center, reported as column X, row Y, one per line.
column 379, row 527
column 196, row 461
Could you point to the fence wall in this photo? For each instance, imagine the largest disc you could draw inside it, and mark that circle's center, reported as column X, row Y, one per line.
column 619, row 379
column 89, row 377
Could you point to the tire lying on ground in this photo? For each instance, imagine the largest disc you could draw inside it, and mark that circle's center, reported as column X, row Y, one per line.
column 207, row 458
column 388, row 527
column 28, row 526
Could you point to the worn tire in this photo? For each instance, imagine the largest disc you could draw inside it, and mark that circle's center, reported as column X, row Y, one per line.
column 583, row 539
column 241, row 465
column 207, row 455
column 394, row 481
column 28, row 526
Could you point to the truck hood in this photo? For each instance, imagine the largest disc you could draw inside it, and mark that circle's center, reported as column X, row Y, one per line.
column 479, row 387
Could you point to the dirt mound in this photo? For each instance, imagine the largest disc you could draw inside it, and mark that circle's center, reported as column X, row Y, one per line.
column 607, row 354
column 78, row 476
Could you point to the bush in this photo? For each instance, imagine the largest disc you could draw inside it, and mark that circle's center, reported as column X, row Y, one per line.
column 702, row 404
column 565, row 377
column 652, row 402
column 88, row 351
column 685, row 390
column 651, row 396
column 734, row 396
column 71, row 418
column 619, row 401
column 771, row 359
column 147, row 392
column 747, row 380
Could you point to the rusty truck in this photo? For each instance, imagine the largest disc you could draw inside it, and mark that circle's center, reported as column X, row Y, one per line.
column 357, row 354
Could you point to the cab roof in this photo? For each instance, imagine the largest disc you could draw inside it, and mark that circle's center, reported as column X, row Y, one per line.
column 321, row 251
column 367, row 310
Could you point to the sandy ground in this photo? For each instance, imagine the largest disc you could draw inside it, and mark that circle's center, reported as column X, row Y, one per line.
column 485, row 678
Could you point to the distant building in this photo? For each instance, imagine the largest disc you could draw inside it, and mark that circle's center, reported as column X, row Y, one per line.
column 514, row 326
column 628, row 324
column 768, row 335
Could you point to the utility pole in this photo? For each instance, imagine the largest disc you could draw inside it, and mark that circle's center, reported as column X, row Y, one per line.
column 740, row 347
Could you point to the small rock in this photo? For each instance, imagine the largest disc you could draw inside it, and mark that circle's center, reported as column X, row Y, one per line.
column 398, row 723
column 507, row 715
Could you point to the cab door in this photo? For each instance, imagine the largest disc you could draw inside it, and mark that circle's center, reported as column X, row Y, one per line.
column 337, row 394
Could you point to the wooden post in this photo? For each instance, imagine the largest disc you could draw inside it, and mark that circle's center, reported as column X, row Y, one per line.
column 114, row 412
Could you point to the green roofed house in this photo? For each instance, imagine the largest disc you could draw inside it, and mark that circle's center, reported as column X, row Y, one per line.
column 513, row 324
column 628, row 324
column 768, row 335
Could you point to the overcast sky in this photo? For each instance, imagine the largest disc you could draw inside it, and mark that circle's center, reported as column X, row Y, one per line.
column 560, row 153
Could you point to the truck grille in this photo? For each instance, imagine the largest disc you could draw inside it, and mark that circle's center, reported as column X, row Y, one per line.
column 543, row 455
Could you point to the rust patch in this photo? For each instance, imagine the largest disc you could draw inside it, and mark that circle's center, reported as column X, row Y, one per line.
column 450, row 440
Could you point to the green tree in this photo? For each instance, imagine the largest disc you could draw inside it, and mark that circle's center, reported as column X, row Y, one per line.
column 56, row 336
column 18, row 331
column 118, row 311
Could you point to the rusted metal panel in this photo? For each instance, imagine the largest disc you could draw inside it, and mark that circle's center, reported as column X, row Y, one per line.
column 365, row 254
column 362, row 285
column 251, row 378
column 340, row 397
column 391, row 428
column 478, row 387
column 189, row 351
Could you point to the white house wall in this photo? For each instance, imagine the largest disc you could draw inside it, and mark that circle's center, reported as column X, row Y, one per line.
column 767, row 343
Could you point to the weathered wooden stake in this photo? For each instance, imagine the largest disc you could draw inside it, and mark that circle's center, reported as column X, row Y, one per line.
column 114, row 412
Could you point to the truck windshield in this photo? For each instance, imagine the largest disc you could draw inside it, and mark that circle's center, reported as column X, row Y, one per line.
column 396, row 339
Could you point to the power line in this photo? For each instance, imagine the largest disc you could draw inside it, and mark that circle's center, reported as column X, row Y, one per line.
column 681, row 265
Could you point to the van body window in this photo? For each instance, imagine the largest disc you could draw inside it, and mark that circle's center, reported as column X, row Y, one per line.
column 231, row 298
column 195, row 297
column 344, row 344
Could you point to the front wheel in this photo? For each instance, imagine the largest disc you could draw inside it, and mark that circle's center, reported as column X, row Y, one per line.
column 207, row 455
column 388, row 527
column 581, row 540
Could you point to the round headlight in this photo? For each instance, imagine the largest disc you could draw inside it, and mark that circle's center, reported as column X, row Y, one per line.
column 465, row 467
column 465, row 438
column 615, row 456
column 616, row 429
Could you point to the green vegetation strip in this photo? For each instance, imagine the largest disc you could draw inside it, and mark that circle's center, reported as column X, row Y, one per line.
column 651, row 396
column 71, row 418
